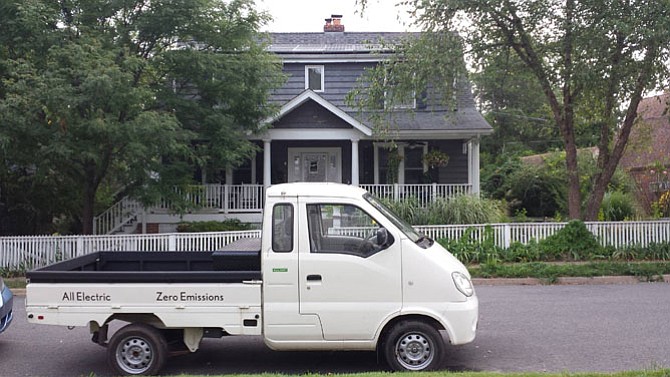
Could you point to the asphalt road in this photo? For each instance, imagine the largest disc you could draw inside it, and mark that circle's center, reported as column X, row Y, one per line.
column 522, row 328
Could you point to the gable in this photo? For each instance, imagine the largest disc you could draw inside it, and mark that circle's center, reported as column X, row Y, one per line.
column 310, row 115
column 310, row 96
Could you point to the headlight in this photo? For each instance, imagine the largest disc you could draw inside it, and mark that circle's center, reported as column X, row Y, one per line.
column 463, row 284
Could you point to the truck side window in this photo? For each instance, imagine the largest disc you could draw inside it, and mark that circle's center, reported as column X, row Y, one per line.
column 282, row 228
column 341, row 229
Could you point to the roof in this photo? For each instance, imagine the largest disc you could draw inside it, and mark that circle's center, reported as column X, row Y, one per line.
column 649, row 141
column 332, row 42
column 434, row 122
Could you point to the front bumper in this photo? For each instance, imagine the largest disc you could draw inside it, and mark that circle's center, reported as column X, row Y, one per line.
column 461, row 320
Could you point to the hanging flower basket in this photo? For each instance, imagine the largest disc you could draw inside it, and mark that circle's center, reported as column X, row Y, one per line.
column 436, row 158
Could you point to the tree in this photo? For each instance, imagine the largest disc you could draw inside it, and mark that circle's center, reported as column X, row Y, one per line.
column 133, row 94
column 514, row 105
column 593, row 60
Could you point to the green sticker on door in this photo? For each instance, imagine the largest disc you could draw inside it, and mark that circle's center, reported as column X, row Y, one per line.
column 280, row 269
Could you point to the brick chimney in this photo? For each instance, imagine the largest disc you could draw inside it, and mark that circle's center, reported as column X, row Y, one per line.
column 334, row 24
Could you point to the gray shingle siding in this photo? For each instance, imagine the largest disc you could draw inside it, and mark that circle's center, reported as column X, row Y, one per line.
column 339, row 80
column 456, row 171
column 311, row 115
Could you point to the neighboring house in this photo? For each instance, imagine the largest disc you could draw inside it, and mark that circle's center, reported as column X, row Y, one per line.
column 647, row 156
column 316, row 136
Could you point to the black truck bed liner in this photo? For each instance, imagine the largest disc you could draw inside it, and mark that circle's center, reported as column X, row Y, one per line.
column 224, row 266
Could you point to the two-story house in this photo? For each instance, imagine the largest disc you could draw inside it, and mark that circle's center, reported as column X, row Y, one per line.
column 317, row 136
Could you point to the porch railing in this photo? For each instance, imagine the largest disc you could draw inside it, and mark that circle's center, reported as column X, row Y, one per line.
column 423, row 193
column 222, row 198
column 115, row 217
column 232, row 199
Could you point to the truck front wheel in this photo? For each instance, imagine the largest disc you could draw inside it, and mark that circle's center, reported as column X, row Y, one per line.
column 413, row 346
column 137, row 349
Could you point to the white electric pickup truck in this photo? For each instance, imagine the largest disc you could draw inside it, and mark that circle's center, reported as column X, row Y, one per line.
column 334, row 270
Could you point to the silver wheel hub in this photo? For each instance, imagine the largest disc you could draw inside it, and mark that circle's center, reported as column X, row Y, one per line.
column 414, row 351
column 134, row 355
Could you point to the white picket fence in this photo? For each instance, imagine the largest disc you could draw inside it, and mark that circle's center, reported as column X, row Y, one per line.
column 37, row 251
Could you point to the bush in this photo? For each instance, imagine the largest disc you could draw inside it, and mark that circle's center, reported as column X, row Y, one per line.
column 537, row 190
column 469, row 250
column 617, row 206
column 213, row 226
column 461, row 209
column 467, row 209
column 573, row 242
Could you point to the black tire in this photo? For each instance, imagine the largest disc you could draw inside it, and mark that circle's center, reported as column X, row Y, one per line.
column 137, row 349
column 413, row 346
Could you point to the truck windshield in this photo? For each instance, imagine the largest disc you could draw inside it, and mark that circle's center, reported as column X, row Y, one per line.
column 397, row 221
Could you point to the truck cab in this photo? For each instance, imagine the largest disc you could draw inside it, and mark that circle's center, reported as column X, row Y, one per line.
column 346, row 273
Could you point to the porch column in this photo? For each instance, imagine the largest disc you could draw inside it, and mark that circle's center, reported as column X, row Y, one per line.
column 354, row 162
column 267, row 164
column 473, row 165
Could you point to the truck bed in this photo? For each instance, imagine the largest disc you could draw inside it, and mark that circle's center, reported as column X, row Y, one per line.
column 237, row 262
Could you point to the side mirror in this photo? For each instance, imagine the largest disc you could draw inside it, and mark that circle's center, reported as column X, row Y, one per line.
column 382, row 237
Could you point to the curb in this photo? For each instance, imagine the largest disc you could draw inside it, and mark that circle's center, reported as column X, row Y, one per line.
column 596, row 280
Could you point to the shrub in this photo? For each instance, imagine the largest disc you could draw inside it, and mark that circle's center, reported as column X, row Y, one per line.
column 573, row 242
column 213, row 226
column 537, row 190
column 461, row 209
column 470, row 250
column 409, row 210
column 617, row 206
column 467, row 209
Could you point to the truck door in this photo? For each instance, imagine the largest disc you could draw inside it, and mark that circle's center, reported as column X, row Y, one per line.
column 282, row 320
column 346, row 278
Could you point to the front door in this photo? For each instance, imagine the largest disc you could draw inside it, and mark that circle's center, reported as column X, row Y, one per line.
column 351, row 285
column 315, row 165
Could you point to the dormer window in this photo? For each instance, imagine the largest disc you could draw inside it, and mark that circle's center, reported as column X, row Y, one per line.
column 314, row 78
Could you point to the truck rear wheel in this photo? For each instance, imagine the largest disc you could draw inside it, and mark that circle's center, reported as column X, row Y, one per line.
column 137, row 349
column 413, row 346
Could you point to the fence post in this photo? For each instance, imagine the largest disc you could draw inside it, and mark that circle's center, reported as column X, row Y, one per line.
column 507, row 236
column 396, row 192
column 226, row 196
column 80, row 246
column 172, row 242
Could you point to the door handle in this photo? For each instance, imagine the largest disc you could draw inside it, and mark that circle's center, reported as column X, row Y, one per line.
column 313, row 277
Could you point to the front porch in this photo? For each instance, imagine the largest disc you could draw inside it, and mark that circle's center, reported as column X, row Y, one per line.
column 232, row 199
column 245, row 202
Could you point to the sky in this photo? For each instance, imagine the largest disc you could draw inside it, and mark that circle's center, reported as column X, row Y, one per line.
column 309, row 15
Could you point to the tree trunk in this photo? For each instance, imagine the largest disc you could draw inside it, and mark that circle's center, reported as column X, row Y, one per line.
column 611, row 160
column 88, row 210
column 574, row 193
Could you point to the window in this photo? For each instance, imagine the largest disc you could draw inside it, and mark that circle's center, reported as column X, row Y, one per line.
column 314, row 78
column 282, row 228
column 342, row 229
column 414, row 167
